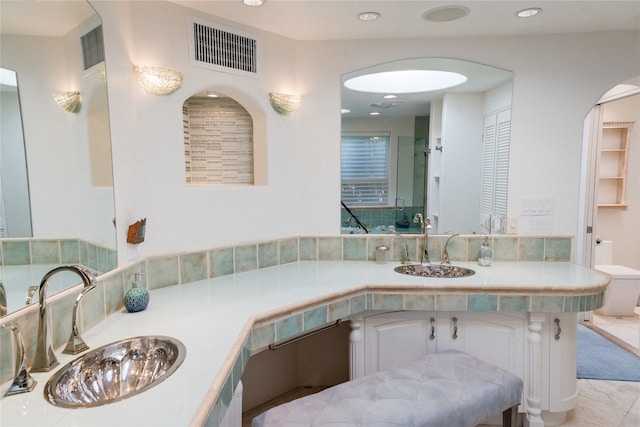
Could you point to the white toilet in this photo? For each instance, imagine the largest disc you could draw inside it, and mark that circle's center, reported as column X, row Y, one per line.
column 623, row 291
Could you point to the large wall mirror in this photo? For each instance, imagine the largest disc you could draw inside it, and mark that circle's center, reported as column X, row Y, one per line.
column 420, row 149
column 55, row 164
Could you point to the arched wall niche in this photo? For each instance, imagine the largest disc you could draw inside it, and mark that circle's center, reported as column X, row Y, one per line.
column 258, row 117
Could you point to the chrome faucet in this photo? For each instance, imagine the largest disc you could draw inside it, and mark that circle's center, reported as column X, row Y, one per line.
column 45, row 359
column 23, row 382
column 425, row 225
column 445, row 252
column 406, row 260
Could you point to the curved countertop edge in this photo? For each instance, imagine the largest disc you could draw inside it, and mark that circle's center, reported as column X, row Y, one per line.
column 208, row 404
column 295, row 287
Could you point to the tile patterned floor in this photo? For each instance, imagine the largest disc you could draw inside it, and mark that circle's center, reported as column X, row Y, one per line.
column 626, row 329
column 610, row 403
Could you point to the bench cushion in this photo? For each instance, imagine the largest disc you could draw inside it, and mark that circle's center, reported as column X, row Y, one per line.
column 449, row 388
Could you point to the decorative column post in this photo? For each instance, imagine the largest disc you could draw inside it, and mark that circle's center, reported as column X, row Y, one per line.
column 356, row 365
column 533, row 396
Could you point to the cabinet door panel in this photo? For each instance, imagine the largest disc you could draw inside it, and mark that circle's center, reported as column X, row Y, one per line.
column 495, row 338
column 563, row 394
column 391, row 338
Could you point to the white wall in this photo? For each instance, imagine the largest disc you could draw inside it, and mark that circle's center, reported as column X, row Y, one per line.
column 64, row 201
column 557, row 81
column 15, row 187
column 462, row 127
column 621, row 225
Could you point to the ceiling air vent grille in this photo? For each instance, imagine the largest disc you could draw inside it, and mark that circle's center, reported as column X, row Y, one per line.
column 92, row 47
column 223, row 50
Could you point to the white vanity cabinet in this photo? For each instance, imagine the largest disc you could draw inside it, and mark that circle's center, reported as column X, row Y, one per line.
column 393, row 337
column 497, row 338
column 560, row 334
column 533, row 346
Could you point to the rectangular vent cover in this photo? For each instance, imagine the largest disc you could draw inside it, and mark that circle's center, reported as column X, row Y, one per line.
column 92, row 47
column 223, row 50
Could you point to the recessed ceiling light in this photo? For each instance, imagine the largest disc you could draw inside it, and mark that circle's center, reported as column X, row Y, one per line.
column 405, row 81
column 529, row 12
column 445, row 13
column 212, row 94
column 344, row 111
column 390, row 96
column 374, row 113
column 368, row 16
column 253, row 3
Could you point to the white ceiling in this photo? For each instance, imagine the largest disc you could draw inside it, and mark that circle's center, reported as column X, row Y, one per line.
column 337, row 20
column 403, row 19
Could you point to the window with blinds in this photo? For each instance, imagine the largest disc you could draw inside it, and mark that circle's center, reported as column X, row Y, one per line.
column 495, row 165
column 365, row 170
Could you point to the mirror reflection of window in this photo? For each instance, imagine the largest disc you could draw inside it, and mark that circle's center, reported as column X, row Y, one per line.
column 365, row 170
column 218, row 140
column 450, row 121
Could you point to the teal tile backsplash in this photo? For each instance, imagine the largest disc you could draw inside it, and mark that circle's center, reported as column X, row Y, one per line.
column 288, row 250
column 354, row 249
column 16, row 253
column 268, row 254
column 330, row 248
column 193, row 267
column 45, row 252
column 308, row 248
column 221, row 262
column 557, row 249
column 51, row 251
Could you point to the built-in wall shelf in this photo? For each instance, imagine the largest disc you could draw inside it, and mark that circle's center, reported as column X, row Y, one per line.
column 614, row 155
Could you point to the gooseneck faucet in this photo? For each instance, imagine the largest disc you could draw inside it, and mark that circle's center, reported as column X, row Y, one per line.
column 22, row 382
column 45, row 359
column 445, row 252
column 406, row 259
column 425, row 225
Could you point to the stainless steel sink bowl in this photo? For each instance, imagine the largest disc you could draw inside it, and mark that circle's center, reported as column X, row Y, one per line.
column 115, row 371
column 435, row 270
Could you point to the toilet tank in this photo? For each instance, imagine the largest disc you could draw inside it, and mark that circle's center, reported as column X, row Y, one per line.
column 621, row 296
column 604, row 253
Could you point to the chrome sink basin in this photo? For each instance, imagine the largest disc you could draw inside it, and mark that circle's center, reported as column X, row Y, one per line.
column 115, row 371
column 435, row 270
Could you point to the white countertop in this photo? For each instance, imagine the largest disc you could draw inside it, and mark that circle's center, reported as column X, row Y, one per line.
column 213, row 317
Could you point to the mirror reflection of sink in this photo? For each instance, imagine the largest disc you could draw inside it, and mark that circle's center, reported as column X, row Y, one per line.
column 434, row 270
column 115, row 371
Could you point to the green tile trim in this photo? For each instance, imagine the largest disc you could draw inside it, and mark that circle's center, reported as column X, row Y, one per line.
column 482, row 302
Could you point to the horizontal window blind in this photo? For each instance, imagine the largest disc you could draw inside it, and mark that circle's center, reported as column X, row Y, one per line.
column 365, row 170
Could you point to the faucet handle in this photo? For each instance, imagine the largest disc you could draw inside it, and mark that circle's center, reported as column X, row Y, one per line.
column 23, row 381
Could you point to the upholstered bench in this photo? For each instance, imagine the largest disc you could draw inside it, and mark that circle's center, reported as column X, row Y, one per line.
column 448, row 389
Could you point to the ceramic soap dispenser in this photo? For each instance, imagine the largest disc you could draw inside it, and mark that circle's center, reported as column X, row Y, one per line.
column 137, row 298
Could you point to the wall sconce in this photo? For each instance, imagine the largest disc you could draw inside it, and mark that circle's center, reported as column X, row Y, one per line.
column 283, row 103
column 70, row 101
column 158, row 80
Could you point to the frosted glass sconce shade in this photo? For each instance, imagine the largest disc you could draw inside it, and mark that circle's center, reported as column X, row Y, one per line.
column 283, row 103
column 70, row 101
column 158, row 80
